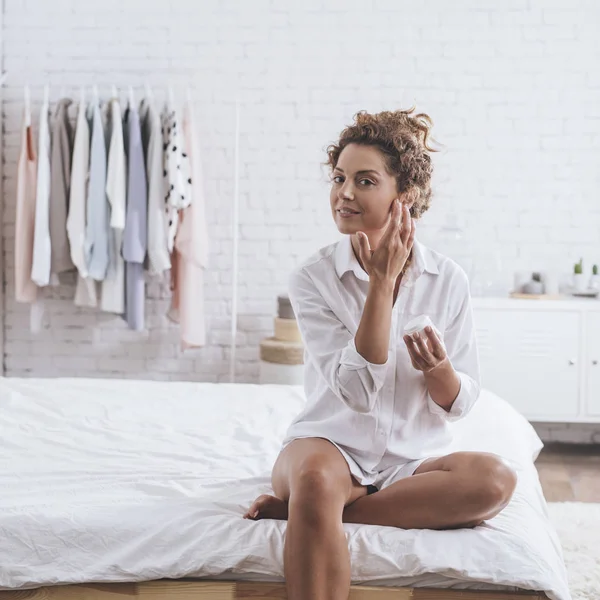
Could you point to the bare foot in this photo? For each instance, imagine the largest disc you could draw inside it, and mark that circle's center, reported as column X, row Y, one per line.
column 267, row 507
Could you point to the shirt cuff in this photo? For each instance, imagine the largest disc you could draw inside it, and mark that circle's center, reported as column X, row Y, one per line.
column 461, row 405
column 352, row 360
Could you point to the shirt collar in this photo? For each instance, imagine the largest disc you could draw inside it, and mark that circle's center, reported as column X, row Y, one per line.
column 345, row 260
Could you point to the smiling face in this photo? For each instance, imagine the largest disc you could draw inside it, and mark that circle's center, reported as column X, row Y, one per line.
column 362, row 183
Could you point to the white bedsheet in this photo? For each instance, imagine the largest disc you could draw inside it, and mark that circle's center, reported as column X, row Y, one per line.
column 117, row 480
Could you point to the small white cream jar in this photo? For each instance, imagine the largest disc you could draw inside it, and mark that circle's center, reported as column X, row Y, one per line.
column 418, row 324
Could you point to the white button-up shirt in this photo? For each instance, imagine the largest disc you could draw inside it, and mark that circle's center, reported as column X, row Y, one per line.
column 381, row 414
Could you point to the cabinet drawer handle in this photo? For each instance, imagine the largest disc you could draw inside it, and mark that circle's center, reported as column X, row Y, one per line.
column 594, row 362
column 572, row 361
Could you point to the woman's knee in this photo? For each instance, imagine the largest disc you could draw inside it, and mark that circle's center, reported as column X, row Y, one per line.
column 494, row 481
column 312, row 475
column 487, row 479
column 316, row 477
column 317, row 496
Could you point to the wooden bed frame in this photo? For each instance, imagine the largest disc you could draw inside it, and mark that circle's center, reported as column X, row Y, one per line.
column 234, row 590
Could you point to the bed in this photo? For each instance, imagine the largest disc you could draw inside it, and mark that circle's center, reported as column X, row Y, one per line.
column 137, row 488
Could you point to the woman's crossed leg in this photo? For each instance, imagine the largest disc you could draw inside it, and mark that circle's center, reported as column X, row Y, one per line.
column 313, row 484
column 316, row 493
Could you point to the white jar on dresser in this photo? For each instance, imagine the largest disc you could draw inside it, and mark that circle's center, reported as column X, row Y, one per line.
column 542, row 356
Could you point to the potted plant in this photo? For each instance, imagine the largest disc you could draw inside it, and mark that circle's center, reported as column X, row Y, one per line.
column 535, row 285
column 579, row 280
column 594, row 279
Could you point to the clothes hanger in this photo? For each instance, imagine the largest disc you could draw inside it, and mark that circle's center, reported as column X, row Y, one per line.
column 131, row 100
column 113, row 92
column 171, row 96
column 96, row 96
column 148, row 91
column 46, row 94
column 81, row 98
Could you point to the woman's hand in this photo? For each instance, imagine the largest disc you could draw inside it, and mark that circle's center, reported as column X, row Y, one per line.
column 388, row 260
column 426, row 352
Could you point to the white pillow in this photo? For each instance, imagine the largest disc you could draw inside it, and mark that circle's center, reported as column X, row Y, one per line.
column 493, row 425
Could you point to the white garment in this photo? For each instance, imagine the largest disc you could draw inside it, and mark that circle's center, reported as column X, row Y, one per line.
column 85, row 292
column 113, row 286
column 380, row 415
column 178, row 193
column 98, row 210
column 40, row 269
column 152, row 138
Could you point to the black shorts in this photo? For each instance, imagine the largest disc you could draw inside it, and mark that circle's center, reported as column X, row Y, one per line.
column 371, row 489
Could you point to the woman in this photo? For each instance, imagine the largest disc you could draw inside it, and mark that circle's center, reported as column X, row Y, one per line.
column 371, row 445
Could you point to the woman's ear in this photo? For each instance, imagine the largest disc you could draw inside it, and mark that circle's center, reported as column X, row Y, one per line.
column 409, row 198
column 410, row 204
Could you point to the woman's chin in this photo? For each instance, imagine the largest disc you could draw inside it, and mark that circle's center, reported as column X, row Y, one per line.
column 347, row 225
column 347, row 229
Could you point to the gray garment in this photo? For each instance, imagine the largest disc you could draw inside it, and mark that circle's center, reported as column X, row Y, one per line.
column 97, row 223
column 61, row 153
column 158, row 259
column 135, row 234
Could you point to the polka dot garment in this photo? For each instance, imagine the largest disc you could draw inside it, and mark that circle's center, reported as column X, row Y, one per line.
column 177, row 178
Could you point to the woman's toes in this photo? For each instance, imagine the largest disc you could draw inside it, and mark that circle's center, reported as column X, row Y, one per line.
column 267, row 507
column 253, row 510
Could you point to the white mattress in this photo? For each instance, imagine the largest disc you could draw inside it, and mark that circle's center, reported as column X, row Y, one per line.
column 112, row 480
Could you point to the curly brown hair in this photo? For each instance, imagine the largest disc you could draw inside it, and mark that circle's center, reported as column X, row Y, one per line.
column 403, row 139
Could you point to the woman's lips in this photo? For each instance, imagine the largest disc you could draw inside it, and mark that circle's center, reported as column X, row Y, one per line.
column 347, row 215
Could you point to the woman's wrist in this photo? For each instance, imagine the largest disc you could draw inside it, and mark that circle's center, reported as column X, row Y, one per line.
column 442, row 371
column 443, row 384
column 385, row 286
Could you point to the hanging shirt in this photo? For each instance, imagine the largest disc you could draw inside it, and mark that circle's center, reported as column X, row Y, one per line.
column 60, row 180
column 25, row 288
column 96, row 232
column 113, row 286
column 176, row 172
column 85, row 292
column 379, row 414
column 135, row 234
column 159, row 260
column 40, row 269
column 191, row 248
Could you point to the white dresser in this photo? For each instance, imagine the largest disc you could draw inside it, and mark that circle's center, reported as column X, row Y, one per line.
column 542, row 356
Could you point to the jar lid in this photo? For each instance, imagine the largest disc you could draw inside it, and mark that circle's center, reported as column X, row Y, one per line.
column 417, row 324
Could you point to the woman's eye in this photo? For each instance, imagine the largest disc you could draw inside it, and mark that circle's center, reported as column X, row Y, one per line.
column 362, row 181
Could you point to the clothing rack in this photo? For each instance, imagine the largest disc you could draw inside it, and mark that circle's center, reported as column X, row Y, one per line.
column 97, row 270
column 170, row 98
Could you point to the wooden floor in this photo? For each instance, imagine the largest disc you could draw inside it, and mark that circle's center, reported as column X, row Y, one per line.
column 570, row 472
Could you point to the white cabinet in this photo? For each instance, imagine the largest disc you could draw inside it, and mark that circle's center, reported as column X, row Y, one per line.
column 543, row 357
column 592, row 335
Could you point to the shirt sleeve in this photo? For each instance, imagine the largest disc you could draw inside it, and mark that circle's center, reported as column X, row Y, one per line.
column 461, row 347
column 331, row 347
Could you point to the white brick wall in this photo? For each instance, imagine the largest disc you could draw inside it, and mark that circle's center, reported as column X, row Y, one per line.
column 512, row 86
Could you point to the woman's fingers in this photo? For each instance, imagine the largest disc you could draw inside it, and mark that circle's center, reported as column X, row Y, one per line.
column 413, row 351
column 437, row 348
column 411, row 237
column 394, row 223
column 364, row 248
column 406, row 224
column 430, row 361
